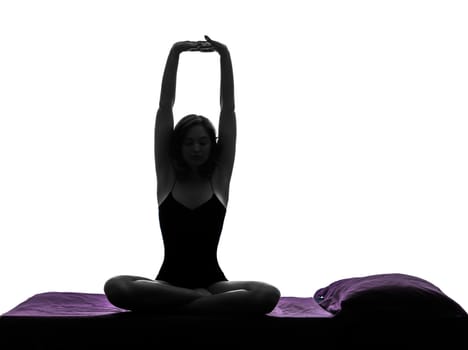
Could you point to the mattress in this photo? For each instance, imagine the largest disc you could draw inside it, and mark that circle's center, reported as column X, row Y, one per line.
column 346, row 313
column 88, row 320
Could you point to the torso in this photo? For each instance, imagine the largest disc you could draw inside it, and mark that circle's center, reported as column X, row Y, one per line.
column 191, row 218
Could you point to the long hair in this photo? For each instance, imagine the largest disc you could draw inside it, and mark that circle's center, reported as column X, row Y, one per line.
column 177, row 137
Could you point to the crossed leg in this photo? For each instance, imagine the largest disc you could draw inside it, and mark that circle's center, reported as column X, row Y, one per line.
column 237, row 297
column 143, row 294
column 226, row 297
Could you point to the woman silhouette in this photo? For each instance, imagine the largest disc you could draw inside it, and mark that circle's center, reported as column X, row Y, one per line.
column 193, row 171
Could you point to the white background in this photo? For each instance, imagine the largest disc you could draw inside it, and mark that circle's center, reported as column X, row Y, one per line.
column 352, row 139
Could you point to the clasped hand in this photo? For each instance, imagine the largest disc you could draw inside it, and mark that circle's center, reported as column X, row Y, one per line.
column 207, row 45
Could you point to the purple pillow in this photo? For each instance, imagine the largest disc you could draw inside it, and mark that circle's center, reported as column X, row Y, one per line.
column 387, row 295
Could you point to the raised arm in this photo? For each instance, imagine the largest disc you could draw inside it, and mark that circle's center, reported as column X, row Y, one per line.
column 164, row 116
column 227, row 129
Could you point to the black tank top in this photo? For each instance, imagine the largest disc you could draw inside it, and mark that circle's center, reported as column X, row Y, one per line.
column 191, row 238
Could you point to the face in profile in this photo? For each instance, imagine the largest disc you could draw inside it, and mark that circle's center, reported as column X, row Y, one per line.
column 196, row 146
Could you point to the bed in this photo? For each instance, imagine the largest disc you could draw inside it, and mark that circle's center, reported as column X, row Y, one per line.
column 376, row 311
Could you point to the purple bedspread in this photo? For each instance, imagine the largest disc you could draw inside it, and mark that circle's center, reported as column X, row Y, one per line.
column 73, row 304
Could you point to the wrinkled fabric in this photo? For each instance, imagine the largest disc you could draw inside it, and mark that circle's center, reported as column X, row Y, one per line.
column 387, row 295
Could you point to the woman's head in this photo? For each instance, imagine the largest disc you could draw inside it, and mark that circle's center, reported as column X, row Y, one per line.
column 194, row 145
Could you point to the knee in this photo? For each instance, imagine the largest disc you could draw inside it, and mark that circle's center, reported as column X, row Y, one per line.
column 266, row 297
column 110, row 286
column 117, row 290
